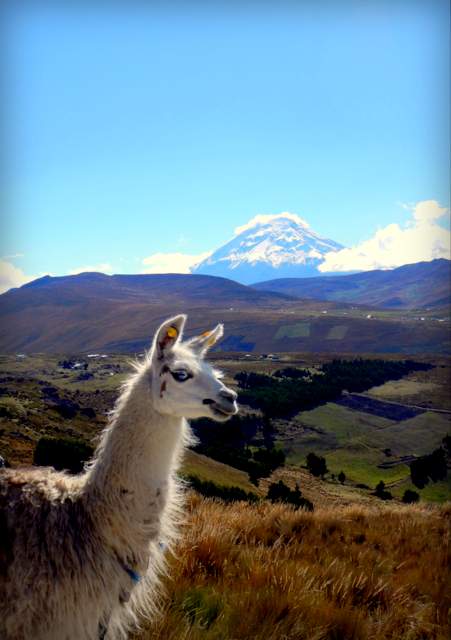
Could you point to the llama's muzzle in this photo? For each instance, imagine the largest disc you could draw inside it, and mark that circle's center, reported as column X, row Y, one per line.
column 225, row 405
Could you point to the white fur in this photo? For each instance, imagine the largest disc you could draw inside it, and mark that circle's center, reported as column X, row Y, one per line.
column 69, row 543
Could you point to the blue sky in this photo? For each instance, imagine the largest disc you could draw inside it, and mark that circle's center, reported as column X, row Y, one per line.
column 159, row 130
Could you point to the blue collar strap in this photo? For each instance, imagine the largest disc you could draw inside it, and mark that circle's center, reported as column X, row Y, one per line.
column 129, row 571
column 133, row 575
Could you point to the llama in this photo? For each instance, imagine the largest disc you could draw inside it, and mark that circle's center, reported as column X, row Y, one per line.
column 80, row 556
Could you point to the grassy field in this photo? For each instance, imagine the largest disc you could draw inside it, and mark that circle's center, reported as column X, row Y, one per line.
column 353, row 441
column 422, row 388
column 207, row 469
column 355, row 569
column 266, row 572
column 356, row 441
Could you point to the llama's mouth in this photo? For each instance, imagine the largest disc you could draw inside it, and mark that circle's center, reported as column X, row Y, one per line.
column 219, row 410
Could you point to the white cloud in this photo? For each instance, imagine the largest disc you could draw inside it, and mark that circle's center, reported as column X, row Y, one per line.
column 421, row 239
column 103, row 267
column 13, row 256
column 427, row 211
column 173, row 262
column 265, row 218
column 11, row 276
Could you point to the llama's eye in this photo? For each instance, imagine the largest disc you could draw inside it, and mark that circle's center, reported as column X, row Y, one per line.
column 181, row 375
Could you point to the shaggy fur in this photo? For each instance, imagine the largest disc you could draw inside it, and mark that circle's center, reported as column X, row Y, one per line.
column 72, row 547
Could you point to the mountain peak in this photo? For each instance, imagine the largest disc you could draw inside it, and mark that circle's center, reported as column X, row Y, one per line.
column 270, row 246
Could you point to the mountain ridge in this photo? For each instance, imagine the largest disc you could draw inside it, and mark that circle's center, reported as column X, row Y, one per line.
column 418, row 285
column 118, row 314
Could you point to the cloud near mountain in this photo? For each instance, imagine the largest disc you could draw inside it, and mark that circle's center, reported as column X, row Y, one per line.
column 12, row 276
column 421, row 239
column 172, row 262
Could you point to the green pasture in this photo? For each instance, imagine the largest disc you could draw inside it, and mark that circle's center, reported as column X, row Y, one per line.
column 354, row 442
column 207, row 469
column 399, row 388
column 433, row 492
column 343, row 423
column 338, row 332
column 416, row 436
column 360, row 466
column 298, row 330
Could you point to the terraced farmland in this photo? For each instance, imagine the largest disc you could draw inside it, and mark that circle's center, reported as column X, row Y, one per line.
column 367, row 446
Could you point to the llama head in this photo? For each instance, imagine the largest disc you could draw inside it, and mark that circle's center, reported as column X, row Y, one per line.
column 183, row 383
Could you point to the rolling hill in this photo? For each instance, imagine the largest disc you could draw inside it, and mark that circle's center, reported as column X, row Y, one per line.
column 412, row 286
column 118, row 314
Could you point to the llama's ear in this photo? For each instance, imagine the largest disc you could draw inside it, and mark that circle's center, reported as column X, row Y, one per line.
column 202, row 343
column 168, row 335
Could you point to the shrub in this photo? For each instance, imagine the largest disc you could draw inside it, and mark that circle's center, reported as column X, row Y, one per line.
column 89, row 412
column 341, row 477
column 210, row 489
column 66, row 408
column 316, row 465
column 410, row 496
column 279, row 492
column 381, row 492
column 12, row 408
column 62, row 453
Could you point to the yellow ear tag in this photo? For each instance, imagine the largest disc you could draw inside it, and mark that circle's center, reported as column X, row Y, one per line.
column 211, row 342
column 172, row 332
column 205, row 334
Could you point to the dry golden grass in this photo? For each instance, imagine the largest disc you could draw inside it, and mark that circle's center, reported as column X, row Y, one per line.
column 267, row 572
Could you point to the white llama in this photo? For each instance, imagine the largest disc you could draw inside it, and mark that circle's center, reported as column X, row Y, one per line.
column 80, row 555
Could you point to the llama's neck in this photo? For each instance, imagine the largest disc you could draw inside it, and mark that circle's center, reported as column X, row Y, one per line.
column 131, row 477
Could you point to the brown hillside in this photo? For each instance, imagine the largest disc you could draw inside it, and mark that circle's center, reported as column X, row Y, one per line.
column 118, row 314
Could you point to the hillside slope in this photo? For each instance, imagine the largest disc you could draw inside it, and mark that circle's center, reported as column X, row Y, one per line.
column 413, row 286
column 118, row 314
column 115, row 313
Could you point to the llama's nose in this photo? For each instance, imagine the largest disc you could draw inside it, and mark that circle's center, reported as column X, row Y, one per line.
column 228, row 394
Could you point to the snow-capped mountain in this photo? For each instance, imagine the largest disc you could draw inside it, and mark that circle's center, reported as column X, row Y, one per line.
column 267, row 247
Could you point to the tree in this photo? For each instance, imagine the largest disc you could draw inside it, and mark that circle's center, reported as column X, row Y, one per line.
column 410, row 496
column 316, row 465
column 431, row 467
column 381, row 493
column 341, row 477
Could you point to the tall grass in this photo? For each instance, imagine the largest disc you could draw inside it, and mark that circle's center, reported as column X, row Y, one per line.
column 267, row 572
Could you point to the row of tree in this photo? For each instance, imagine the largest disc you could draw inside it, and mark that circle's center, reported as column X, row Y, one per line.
column 284, row 394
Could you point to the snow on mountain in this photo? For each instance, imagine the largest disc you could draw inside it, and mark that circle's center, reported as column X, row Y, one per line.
column 267, row 247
